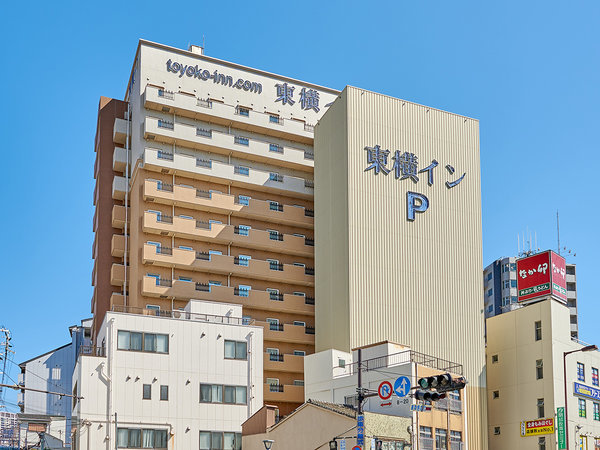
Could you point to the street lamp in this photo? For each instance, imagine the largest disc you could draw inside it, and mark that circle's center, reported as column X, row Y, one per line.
column 268, row 443
column 588, row 348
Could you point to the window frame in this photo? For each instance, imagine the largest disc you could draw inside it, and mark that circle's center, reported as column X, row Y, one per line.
column 147, row 395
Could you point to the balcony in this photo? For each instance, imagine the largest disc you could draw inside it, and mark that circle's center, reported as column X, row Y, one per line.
column 120, row 131
column 256, row 179
column 283, row 393
column 189, row 197
column 225, row 234
column 206, row 110
column 117, row 274
column 255, row 299
column 116, row 298
column 117, row 245
column 215, row 141
column 287, row 333
column 119, row 187
column 118, row 216
column 120, row 159
column 283, row 363
column 225, row 265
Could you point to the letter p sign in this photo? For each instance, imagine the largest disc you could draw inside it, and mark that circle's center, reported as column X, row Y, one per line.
column 415, row 203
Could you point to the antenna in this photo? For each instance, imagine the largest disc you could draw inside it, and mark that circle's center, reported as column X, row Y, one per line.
column 557, row 232
column 518, row 244
column 203, row 42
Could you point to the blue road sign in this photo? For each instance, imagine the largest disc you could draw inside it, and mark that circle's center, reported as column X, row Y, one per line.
column 402, row 386
column 360, row 430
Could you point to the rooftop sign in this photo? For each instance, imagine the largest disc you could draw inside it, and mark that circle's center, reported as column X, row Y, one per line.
column 542, row 275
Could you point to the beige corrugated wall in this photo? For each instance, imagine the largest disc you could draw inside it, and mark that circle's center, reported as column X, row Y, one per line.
column 380, row 276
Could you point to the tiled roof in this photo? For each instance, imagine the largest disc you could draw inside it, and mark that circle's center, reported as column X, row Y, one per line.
column 340, row 409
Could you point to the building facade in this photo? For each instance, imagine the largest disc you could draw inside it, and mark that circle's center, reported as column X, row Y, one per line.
column 500, row 290
column 525, row 381
column 181, row 379
column 398, row 233
column 204, row 190
column 332, row 376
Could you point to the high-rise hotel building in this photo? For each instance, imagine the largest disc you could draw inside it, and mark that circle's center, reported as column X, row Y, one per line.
column 204, row 190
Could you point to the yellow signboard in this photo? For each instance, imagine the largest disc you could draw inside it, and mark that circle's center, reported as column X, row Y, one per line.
column 537, row 427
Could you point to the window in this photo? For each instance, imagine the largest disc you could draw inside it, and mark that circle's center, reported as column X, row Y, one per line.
column 594, row 376
column 242, row 170
column 273, row 118
column 513, row 267
column 351, row 400
column 211, row 393
column 583, row 443
column 596, row 411
column 145, row 438
column 540, row 408
column 142, row 342
column 216, row 440
column 489, row 276
column 242, row 140
column 440, row 439
column 299, row 353
column 243, row 200
column 243, row 290
column 542, row 443
column 243, row 260
column 496, row 430
column 496, row 394
column 214, row 283
column 539, row 369
column 298, row 382
column 425, row 432
column 513, row 299
column 513, row 283
column 299, row 323
column 185, row 247
column 147, row 392
column 164, row 392
column 490, row 292
column 188, row 279
column 506, row 284
column 274, row 235
column 243, row 111
column 275, row 206
column 234, row 395
column 341, row 362
column 494, row 359
column 273, row 324
column 490, row 308
column 538, row 330
column 275, row 148
column 580, row 371
column 274, row 176
column 582, row 408
column 236, row 350
column 505, row 268
column 243, row 230
column 455, row 436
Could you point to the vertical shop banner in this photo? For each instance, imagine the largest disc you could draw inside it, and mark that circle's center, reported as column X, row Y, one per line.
column 560, row 426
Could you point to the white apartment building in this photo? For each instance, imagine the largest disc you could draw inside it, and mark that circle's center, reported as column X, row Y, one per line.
column 525, row 381
column 169, row 379
column 332, row 376
column 500, row 290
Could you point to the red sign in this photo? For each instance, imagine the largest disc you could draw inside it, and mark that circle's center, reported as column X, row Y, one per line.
column 541, row 275
column 385, row 390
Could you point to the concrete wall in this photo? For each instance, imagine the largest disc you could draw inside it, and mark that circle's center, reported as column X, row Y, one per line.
column 381, row 276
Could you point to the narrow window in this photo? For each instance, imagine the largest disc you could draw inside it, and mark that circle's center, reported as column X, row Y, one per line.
column 580, row 371
column 496, row 430
column 147, row 392
column 538, row 331
column 539, row 369
column 494, row 359
column 542, row 443
column 594, row 376
column 540, row 408
column 164, row 392
column 496, row 394
column 582, row 408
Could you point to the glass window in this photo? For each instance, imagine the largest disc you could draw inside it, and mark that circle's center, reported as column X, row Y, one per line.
column 514, row 299
column 582, row 408
column 513, row 283
column 135, row 440
column 122, row 437
column 244, row 290
column 539, row 369
column 541, row 443
column 149, row 342
column 580, row 371
column 229, row 441
column 147, row 392
column 496, row 394
column 229, row 349
column 241, row 350
column 540, row 407
column 594, row 376
column 148, row 438
column 596, row 411
column 204, row 440
column 489, row 276
column 440, row 439
column 243, row 200
column 494, row 359
column 160, row 438
column 425, row 432
column 456, row 436
column 229, row 394
column 205, row 393
column 123, row 340
column 513, row 267
column 216, row 439
column 243, row 259
column 164, row 392
column 538, row 331
column 496, row 430
column 244, row 230
column 490, row 292
column 299, row 353
column 240, row 395
column 217, row 393
column 162, row 343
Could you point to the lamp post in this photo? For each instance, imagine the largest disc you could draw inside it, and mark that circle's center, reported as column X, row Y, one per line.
column 587, row 348
column 268, row 443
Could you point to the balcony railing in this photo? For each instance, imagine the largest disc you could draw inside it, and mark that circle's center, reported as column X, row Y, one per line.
column 309, row 155
column 204, row 163
column 275, row 236
column 275, row 387
column 164, row 250
column 309, row 300
column 163, row 218
column 309, row 330
column 275, row 148
column 203, row 287
column 169, row 95
column 241, row 140
column 310, row 128
column 309, row 241
column 164, row 187
column 203, row 194
column 203, row 256
column 276, row 296
column 87, row 350
column 204, row 103
column 309, row 212
column 166, row 124
column 203, row 132
column 164, row 282
column 165, row 155
column 202, row 224
column 276, row 266
column 309, row 271
column 276, row 326
column 275, row 357
column 182, row 315
column 274, row 206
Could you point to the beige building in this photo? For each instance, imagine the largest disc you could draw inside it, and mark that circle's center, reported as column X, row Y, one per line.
column 204, row 190
column 398, row 232
column 316, row 423
column 525, row 381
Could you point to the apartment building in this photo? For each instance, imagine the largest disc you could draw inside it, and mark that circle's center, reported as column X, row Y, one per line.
column 529, row 352
column 332, row 376
column 204, row 190
column 500, row 290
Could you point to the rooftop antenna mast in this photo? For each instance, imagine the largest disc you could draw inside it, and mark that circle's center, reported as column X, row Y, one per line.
column 5, row 346
column 557, row 232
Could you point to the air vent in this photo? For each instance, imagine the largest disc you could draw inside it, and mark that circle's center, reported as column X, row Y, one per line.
column 165, row 109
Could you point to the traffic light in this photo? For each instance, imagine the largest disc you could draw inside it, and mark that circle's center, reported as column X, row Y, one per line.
column 435, row 387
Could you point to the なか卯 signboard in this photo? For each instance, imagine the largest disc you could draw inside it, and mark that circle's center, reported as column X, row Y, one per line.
column 542, row 275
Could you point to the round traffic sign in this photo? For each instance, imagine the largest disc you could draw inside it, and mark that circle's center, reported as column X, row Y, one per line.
column 356, row 447
column 402, row 386
column 385, row 390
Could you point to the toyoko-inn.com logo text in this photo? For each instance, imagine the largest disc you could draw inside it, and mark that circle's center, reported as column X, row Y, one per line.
column 218, row 78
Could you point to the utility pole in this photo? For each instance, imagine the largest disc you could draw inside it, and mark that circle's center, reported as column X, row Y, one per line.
column 360, row 392
column 116, row 434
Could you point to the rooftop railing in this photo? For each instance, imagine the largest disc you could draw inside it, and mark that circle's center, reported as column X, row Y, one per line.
column 183, row 315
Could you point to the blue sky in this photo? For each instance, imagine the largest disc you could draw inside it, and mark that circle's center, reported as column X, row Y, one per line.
column 528, row 71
